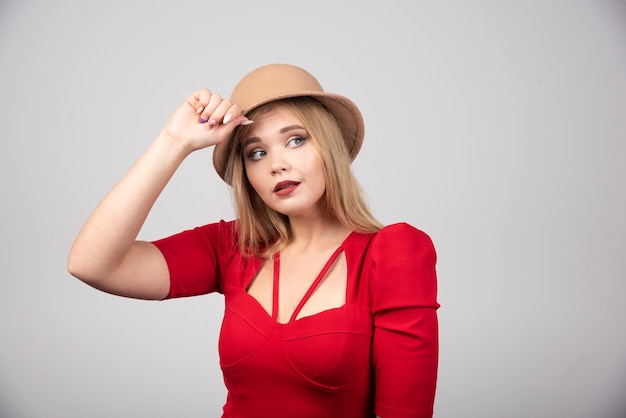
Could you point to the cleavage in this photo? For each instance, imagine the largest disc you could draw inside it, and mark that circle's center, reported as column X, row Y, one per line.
column 299, row 287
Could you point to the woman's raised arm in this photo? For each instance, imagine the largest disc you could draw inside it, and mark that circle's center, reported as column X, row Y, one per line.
column 106, row 253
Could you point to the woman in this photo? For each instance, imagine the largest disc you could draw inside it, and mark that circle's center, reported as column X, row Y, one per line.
column 328, row 314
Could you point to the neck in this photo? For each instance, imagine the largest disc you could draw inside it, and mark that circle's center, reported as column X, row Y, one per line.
column 315, row 232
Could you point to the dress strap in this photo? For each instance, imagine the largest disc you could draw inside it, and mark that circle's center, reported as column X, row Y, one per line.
column 314, row 285
column 276, row 257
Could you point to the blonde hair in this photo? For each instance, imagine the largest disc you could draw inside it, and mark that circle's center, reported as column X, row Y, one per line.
column 263, row 231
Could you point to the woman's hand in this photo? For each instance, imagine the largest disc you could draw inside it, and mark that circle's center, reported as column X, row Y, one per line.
column 204, row 119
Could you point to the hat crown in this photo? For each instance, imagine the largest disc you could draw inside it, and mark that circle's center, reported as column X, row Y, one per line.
column 281, row 81
column 271, row 82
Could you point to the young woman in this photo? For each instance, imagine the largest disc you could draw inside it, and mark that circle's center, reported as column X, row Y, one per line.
column 328, row 313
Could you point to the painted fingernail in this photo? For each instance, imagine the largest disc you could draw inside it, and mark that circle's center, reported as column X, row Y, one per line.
column 212, row 122
column 199, row 110
column 227, row 118
column 247, row 122
column 203, row 120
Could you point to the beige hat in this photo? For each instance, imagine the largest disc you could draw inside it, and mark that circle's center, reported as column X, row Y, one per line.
column 280, row 81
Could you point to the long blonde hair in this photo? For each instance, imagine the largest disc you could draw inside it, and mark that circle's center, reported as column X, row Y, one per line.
column 263, row 231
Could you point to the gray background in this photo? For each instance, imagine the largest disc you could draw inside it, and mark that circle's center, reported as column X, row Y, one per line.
column 498, row 127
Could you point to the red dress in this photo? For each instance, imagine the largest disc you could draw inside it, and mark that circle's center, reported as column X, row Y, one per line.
column 376, row 355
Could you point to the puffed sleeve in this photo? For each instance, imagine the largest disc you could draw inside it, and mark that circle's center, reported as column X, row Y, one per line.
column 404, row 299
column 192, row 258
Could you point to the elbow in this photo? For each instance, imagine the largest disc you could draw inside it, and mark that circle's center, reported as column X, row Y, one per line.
column 79, row 267
column 85, row 271
column 74, row 266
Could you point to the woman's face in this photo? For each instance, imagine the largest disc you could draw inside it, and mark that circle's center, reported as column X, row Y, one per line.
column 282, row 164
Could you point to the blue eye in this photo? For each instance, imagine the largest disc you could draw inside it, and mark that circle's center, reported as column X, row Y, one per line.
column 256, row 154
column 296, row 141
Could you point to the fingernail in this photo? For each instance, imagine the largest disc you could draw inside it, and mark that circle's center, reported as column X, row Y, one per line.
column 199, row 110
column 212, row 122
column 227, row 118
column 203, row 120
column 247, row 122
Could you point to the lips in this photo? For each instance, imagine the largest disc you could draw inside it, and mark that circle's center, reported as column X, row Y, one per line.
column 284, row 188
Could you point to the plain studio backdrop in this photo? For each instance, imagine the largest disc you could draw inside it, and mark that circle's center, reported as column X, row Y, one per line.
column 497, row 127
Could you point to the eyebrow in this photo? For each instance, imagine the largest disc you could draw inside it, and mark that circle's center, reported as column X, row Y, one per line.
column 290, row 128
column 286, row 129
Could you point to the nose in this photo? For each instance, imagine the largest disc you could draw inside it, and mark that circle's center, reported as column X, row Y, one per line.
column 278, row 163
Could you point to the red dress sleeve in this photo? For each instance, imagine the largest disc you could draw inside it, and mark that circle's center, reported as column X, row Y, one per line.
column 194, row 258
column 404, row 298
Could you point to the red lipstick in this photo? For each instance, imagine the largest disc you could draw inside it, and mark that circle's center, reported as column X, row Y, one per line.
column 284, row 188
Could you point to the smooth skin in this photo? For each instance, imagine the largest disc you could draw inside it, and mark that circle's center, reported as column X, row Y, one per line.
column 106, row 253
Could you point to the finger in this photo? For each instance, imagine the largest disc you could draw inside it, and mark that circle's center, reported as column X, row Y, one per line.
column 242, row 120
column 199, row 99
column 225, row 130
column 220, row 114
column 231, row 113
column 209, row 108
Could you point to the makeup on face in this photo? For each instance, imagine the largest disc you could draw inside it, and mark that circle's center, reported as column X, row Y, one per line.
column 282, row 165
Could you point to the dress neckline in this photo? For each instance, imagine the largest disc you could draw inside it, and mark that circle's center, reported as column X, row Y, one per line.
column 309, row 292
column 312, row 287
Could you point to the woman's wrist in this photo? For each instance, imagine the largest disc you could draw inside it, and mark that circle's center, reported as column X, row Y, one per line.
column 172, row 147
